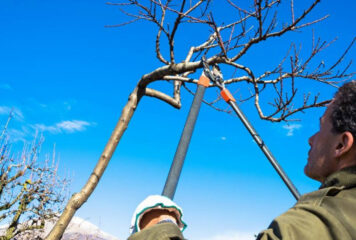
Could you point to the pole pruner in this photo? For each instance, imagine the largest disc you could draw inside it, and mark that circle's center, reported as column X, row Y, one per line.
column 217, row 80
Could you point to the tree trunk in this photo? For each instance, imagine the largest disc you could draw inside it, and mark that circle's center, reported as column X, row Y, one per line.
column 78, row 199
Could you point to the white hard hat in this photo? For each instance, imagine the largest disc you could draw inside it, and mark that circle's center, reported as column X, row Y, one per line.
column 156, row 202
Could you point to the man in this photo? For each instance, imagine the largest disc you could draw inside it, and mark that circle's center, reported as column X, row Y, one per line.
column 326, row 214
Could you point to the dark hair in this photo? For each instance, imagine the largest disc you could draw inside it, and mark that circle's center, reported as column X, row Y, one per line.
column 343, row 114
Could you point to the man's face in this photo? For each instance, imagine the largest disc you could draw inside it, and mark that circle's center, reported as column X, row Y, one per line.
column 321, row 159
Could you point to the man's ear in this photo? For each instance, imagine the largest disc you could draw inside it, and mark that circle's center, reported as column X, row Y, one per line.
column 344, row 145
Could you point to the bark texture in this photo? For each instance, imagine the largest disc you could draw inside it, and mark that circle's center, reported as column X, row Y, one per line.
column 78, row 199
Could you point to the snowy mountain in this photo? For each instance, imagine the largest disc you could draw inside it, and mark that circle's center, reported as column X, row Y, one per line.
column 78, row 229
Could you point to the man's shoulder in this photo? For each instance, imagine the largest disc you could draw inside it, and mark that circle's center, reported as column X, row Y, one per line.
column 317, row 198
column 162, row 231
column 328, row 202
column 323, row 214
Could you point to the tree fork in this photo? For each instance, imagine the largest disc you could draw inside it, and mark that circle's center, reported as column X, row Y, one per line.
column 78, row 199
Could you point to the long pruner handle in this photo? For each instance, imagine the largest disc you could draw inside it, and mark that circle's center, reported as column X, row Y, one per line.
column 178, row 161
column 231, row 101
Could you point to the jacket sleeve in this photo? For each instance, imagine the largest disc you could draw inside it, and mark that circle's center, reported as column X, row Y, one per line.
column 163, row 231
column 305, row 222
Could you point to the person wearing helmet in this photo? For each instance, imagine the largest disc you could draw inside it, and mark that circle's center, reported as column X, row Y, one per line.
column 328, row 213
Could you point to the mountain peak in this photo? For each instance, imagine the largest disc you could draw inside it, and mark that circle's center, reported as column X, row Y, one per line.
column 78, row 229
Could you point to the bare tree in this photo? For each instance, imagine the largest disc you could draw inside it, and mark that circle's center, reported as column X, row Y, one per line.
column 30, row 191
column 225, row 44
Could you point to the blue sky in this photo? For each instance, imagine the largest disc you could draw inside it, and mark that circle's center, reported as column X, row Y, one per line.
column 67, row 75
